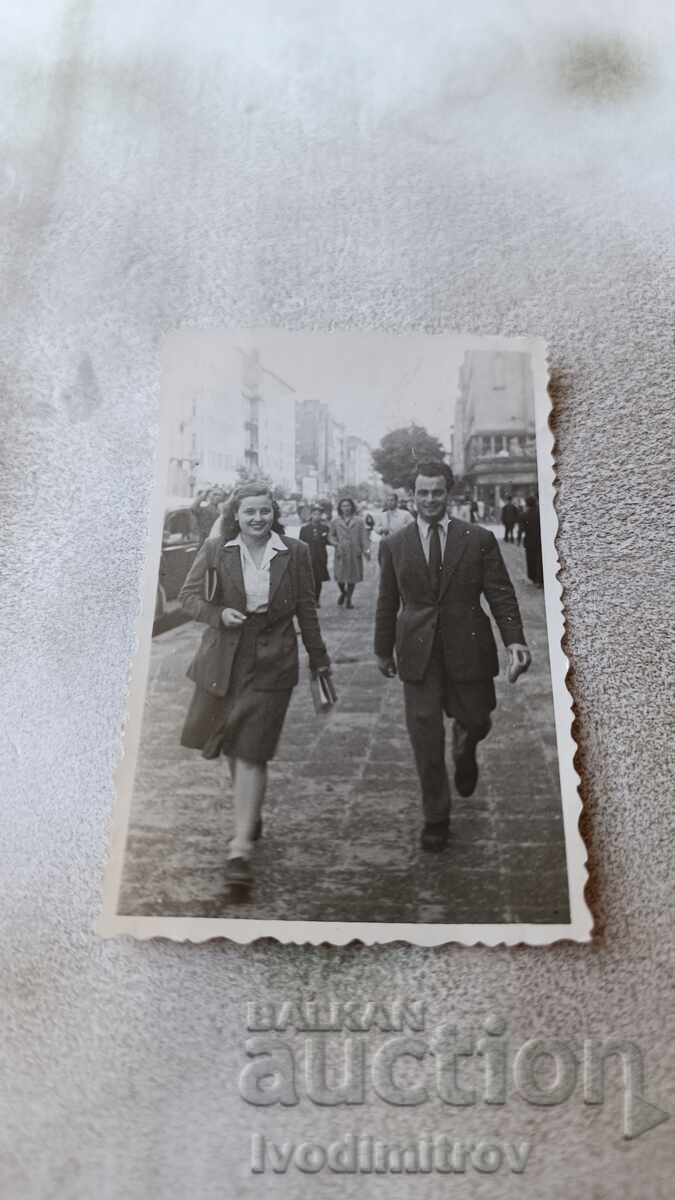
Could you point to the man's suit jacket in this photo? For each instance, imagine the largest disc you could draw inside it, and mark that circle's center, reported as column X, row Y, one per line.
column 408, row 614
column 291, row 595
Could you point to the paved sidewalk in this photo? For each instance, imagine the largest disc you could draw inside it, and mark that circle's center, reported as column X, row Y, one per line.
column 343, row 816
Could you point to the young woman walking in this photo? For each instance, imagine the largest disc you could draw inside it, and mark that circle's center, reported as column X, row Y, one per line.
column 350, row 537
column 247, row 586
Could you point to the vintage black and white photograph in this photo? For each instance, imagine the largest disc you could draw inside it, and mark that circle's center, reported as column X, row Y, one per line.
column 348, row 715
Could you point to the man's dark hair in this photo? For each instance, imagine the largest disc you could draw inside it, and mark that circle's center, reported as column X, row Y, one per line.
column 431, row 469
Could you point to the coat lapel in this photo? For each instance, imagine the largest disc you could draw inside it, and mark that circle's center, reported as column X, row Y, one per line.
column 417, row 555
column 278, row 568
column 455, row 545
column 233, row 577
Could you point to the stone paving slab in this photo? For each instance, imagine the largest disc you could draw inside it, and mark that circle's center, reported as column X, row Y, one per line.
column 342, row 817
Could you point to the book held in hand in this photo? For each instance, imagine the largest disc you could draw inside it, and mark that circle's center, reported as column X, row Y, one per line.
column 323, row 692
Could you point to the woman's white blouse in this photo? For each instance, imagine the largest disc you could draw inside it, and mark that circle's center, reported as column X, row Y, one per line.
column 257, row 579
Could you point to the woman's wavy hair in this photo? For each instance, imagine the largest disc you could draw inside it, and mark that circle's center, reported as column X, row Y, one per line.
column 230, row 522
column 347, row 500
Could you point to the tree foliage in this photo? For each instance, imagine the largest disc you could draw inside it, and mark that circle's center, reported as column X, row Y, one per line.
column 399, row 452
column 360, row 491
column 246, row 474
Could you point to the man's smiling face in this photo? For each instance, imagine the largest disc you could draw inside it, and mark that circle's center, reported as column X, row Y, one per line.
column 431, row 496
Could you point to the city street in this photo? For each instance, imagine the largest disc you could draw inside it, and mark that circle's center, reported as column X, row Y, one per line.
column 342, row 818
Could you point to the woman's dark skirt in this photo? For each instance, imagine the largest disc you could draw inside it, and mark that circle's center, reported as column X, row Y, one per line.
column 245, row 723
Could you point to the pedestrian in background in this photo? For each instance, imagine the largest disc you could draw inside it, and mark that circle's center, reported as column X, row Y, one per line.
column 315, row 535
column 247, row 587
column 520, row 522
column 349, row 536
column 395, row 516
column 220, row 501
column 206, row 511
column 509, row 517
column 533, row 557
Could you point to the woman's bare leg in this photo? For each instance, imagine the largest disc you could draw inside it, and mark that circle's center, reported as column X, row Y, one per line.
column 250, row 780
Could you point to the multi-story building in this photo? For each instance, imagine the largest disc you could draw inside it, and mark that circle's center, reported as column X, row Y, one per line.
column 269, row 423
column 320, row 446
column 358, row 461
column 493, row 443
column 243, row 422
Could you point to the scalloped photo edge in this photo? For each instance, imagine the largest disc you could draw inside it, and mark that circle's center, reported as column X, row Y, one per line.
column 228, row 923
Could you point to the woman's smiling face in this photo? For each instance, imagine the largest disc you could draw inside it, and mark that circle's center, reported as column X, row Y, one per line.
column 256, row 517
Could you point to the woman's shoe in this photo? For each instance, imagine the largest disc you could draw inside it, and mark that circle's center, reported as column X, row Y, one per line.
column 349, row 604
column 257, row 830
column 239, row 878
column 341, row 598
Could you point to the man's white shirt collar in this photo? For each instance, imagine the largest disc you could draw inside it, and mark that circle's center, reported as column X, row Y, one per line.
column 425, row 526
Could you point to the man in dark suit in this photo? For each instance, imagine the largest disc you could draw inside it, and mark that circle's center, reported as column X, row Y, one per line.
column 433, row 574
column 509, row 517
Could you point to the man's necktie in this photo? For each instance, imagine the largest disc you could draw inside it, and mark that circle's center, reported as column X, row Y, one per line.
column 435, row 557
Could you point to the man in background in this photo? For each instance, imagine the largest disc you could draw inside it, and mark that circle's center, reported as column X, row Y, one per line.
column 206, row 511
column 394, row 517
column 509, row 518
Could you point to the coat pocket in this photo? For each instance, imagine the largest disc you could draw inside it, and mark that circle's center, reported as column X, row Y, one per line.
column 211, row 666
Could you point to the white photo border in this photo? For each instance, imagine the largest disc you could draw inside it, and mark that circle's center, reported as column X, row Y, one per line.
column 245, row 930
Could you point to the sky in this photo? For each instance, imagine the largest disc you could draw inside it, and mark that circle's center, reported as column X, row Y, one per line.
column 373, row 383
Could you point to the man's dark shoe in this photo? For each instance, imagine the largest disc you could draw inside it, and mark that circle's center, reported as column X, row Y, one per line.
column 464, row 754
column 238, row 877
column 466, row 771
column 435, row 835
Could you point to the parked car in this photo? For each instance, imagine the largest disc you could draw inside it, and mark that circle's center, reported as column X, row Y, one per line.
column 180, row 543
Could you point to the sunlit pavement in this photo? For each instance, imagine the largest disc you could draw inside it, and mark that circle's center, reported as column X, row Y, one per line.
column 343, row 817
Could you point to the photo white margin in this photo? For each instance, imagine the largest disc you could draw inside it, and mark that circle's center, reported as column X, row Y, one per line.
column 200, row 929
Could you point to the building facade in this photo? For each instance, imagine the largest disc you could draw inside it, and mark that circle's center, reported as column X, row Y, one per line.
column 243, row 422
column 269, row 423
column 358, row 461
column 493, row 442
column 320, row 443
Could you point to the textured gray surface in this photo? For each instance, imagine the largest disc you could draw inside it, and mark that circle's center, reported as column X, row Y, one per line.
column 492, row 168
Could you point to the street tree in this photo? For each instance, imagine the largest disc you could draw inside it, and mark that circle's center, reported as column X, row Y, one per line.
column 246, row 474
column 399, row 452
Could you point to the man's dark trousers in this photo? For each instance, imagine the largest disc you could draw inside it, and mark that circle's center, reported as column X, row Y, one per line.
column 426, row 704
column 445, row 649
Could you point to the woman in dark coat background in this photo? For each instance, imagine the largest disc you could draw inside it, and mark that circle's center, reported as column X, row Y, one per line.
column 246, row 586
column 315, row 535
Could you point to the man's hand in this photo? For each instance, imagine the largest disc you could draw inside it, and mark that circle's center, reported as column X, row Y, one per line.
column 519, row 661
column 387, row 666
column 232, row 618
